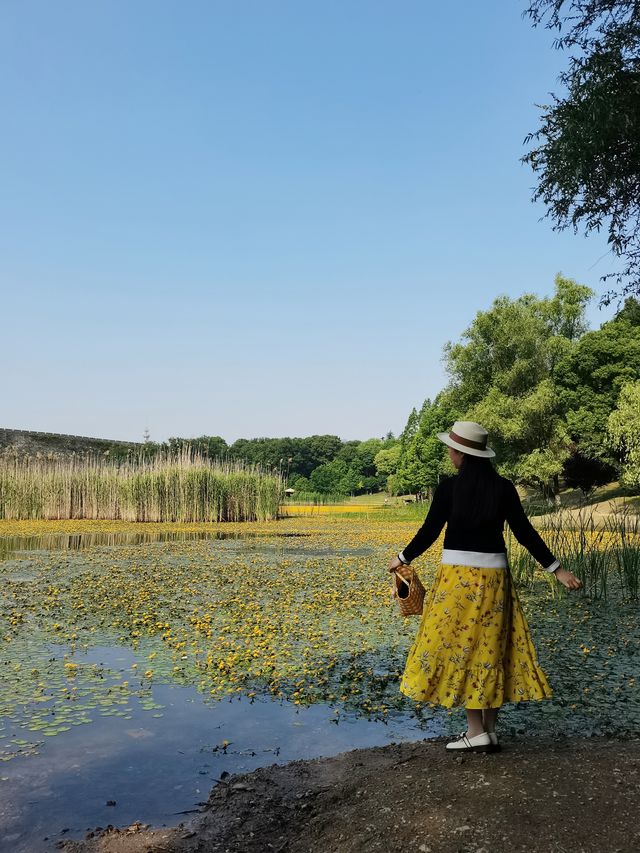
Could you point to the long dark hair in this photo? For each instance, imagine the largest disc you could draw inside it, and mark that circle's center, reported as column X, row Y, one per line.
column 477, row 489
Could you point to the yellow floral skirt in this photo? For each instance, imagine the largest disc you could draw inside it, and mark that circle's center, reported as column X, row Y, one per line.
column 473, row 646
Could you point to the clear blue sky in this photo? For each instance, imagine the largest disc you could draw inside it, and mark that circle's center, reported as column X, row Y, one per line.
column 261, row 218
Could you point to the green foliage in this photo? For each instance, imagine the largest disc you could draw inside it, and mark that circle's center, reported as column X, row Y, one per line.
column 518, row 425
column 386, row 461
column 502, row 376
column 290, row 455
column 516, row 343
column 423, row 457
column 587, row 154
column 299, row 483
column 541, row 468
column 630, row 312
column 589, row 379
column 332, row 477
column 308, row 496
column 624, row 432
column 319, row 463
column 353, row 470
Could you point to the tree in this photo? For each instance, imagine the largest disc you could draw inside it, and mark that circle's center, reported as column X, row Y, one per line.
column 298, row 456
column 516, row 343
column 423, row 457
column 213, row 446
column 362, row 474
column 528, row 433
column 299, row 484
column 624, row 432
column 409, row 477
column 333, row 478
column 630, row 312
column 586, row 153
column 589, row 379
column 502, row 376
column 386, row 460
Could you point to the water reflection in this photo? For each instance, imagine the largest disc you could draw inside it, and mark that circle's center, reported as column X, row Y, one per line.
column 10, row 545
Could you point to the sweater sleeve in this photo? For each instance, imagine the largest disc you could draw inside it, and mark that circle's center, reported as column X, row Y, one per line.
column 525, row 532
column 433, row 524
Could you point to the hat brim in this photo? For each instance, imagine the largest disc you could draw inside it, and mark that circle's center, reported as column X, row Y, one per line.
column 471, row 451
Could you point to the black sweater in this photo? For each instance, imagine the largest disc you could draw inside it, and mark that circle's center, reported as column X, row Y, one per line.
column 486, row 538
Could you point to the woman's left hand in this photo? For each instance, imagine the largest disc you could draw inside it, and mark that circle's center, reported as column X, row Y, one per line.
column 568, row 579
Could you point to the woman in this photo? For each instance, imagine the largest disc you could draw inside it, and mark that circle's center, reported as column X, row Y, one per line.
column 473, row 646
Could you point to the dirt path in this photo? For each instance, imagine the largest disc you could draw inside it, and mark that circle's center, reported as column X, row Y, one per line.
column 569, row 795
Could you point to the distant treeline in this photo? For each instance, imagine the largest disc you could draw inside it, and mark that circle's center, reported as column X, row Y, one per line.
column 323, row 464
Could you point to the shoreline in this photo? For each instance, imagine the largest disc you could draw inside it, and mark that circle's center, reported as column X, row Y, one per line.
column 558, row 794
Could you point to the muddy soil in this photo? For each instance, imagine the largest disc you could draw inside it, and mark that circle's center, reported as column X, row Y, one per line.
column 555, row 796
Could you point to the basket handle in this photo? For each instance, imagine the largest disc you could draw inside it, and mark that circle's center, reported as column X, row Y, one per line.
column 402, row 578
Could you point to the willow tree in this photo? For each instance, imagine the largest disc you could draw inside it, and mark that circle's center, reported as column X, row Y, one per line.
column 624, row 431
column 586, row 152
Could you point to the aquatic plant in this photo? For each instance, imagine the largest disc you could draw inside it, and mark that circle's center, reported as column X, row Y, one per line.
column 299, row 610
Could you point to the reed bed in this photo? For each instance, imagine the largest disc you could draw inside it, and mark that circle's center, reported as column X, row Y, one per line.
column 184, row 487
column 603, row 554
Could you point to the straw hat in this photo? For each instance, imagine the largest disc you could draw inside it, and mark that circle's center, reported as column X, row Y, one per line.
column 467, row 437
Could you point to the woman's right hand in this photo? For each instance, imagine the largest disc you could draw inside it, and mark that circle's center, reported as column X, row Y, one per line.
column 568, row 579
column 400, row 568
column 395, row 564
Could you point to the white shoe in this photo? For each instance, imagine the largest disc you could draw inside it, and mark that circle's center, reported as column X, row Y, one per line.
column 479, row 743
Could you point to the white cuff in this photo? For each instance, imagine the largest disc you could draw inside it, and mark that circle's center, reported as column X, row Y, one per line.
column 555, row 565
column 406, row 562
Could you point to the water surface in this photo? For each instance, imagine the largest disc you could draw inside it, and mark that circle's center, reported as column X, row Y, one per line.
column 159, row 766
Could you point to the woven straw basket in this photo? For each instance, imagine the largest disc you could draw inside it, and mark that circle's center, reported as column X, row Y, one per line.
column 409, row 593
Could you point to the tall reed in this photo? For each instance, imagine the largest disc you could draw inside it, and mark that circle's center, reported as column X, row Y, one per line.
column 521, row 564
column 625, row 527
column 185, row 487
column 582, row 546
column 599, row 553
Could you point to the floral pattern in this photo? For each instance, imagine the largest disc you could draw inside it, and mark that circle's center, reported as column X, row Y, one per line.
column 473, row 645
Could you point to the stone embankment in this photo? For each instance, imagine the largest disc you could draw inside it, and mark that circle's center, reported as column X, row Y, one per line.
column 30, row 443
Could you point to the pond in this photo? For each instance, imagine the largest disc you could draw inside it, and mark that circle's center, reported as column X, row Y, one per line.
column 139, row 666
column 158, row 761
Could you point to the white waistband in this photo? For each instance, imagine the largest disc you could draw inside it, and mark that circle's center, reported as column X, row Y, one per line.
column 479, row 559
